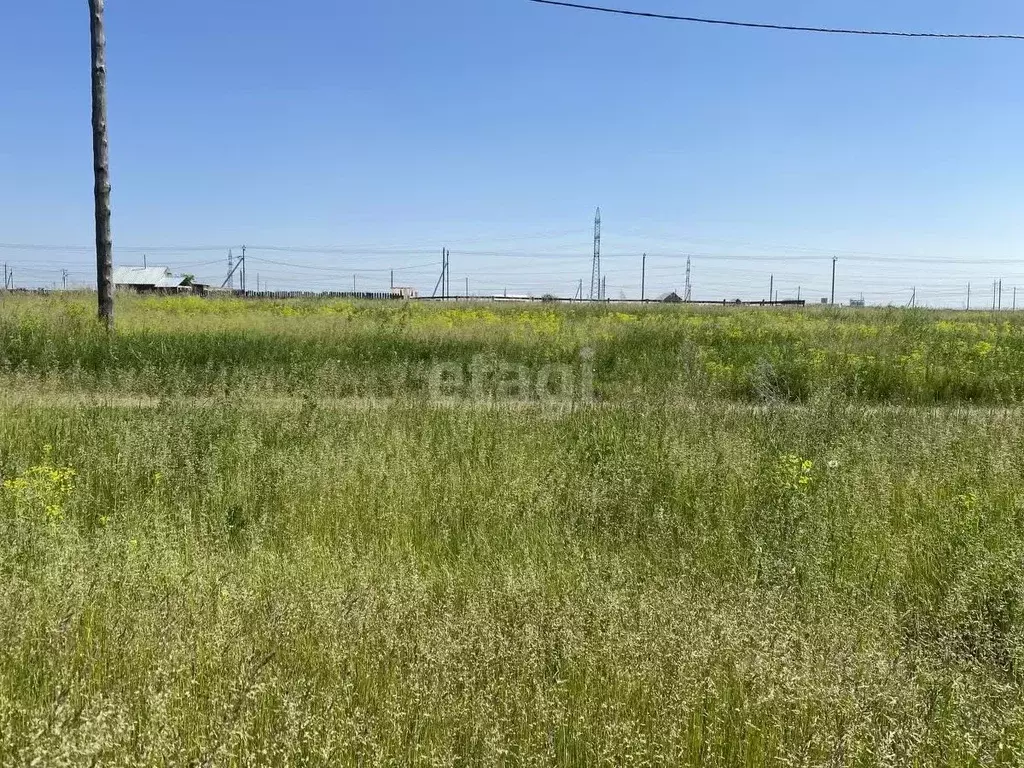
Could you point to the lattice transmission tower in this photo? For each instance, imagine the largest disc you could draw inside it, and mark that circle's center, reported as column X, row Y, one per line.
column 595, row 274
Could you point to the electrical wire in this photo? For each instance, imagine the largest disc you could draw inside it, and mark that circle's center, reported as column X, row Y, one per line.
column 337, row 270
column 788, row 254
column 526, row 272
column 778, row 27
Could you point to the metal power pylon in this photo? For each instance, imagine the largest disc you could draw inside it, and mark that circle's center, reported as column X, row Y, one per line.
column 595, row 274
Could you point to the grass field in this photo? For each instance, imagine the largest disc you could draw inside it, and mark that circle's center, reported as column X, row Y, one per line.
column 316, row 533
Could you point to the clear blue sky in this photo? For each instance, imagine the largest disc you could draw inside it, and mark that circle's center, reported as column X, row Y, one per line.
column 387, row 129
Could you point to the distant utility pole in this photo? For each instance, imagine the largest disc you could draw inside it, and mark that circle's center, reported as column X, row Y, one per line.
column 234, row 266
column 595, row 270
column 467, row 287
column 771, row 288
column 968, row 296
column 392, row 279
column 64, row 279
column 643, row 280
column 243, row 269
column 1000, row 294
column 440, row 280
column 1014, row 298
column 834, row 260
column 798, row 292
column 994, row 286
column 688, row 288
column 444, row 281
column 604, row 289
column 101, row 167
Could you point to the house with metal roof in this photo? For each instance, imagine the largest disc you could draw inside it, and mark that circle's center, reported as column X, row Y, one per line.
column 147, row 279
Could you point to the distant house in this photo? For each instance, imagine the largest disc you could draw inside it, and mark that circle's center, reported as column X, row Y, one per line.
column 671, row 298
column 147, row 279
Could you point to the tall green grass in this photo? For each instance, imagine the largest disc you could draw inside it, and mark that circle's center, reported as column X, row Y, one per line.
column 344, row 349
column 668, row 576
column 403, row 585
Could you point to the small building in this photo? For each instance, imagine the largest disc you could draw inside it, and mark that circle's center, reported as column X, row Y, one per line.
column 404, row 293
column 671, row 298
column 148, row 279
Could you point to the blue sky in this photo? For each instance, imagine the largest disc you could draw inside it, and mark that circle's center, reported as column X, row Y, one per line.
column 360, row 137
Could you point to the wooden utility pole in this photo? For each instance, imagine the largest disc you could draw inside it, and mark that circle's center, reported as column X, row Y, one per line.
column 834, row 260
column 101, row 167
column 643, row 280
column 447, row 275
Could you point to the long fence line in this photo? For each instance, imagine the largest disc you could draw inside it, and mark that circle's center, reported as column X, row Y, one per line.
column 397, row 296
column 547, row 298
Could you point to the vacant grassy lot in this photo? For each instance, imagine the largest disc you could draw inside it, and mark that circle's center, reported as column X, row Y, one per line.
column 250, row 534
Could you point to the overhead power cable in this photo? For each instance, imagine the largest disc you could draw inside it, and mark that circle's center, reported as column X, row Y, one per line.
column 124, row 249
column 778, row 27
column 340, row 270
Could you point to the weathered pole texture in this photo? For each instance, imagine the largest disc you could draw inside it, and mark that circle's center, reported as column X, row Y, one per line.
column 101, row 166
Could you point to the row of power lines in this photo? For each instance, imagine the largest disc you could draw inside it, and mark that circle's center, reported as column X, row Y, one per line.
column 491, row 271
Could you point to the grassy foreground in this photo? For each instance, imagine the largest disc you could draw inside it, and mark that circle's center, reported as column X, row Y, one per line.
column 244, row 570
